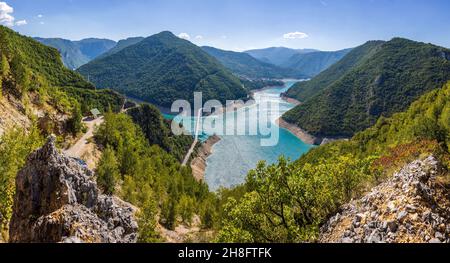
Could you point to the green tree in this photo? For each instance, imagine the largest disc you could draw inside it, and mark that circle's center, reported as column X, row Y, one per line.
column 108, row 172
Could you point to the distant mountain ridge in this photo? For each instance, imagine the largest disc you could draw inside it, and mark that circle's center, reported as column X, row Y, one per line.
column 245, row 65
column 77, row 53
column 124, row 43
column 385, row 78
column 277, row 55
column 313, row 63
column 162, row 69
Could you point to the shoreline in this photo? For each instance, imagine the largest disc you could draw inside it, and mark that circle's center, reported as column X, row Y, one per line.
column 198, row 164
column 298, row 132
column 290, row 100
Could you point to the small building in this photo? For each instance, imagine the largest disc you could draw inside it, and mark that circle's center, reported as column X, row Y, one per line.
column 95, row 113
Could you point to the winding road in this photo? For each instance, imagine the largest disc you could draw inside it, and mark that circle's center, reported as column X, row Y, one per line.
column 81, row 146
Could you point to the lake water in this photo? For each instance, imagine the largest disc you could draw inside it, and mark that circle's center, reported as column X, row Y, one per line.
column 235, row 155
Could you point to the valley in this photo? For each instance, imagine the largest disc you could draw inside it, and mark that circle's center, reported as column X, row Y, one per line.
column 188, row 138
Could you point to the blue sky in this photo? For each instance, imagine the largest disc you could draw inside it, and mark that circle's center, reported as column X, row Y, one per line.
column 236, row 24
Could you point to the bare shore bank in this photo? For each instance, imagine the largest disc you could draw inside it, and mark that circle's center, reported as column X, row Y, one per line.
column 198, row 164
column 298, row 132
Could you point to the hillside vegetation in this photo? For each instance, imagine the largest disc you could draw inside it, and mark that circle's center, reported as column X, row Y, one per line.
column 397, row 73
column 305, row 90
column 289, row 201
column 35, row 83
column 162, row 69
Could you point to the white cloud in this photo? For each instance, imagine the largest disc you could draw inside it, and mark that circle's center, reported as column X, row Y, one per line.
column 42, row 23
column 40, row 16
column 184, row 36
column 6, row 17
column 295, row 35
column 199, row 37
column 21, row 23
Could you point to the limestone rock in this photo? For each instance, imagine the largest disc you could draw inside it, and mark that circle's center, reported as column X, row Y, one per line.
column 57, row 200
column 412, row 206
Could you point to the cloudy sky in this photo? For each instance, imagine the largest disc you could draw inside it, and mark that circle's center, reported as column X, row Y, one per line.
column 236, row 24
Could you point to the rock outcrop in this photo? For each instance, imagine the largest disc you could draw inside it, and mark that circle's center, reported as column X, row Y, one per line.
column 411, row 207
column 57, row 200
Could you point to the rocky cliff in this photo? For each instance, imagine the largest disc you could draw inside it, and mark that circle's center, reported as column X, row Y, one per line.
column 57, row 200
column 412, row 206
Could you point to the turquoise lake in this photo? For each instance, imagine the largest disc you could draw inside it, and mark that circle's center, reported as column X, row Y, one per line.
column 234, row 156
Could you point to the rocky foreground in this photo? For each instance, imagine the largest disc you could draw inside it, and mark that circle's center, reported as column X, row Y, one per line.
column 57, row 200
column 413, row 206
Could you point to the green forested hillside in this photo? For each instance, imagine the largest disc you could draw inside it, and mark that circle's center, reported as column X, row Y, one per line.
column 164, row 68
column 149, row 178
column 158, row 132
column 242, row 64
column 77, row 53
column 398, row 73
column 311, row 64
column 305, row 90
column 289, row 201
column 29, row 66
column 34, row 79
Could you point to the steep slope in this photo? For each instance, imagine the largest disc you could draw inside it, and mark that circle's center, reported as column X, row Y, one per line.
column 162, row 69
column 70, row 52
column 387, row 82
column 36, row 83
column 307, row 89
column 276, row 55
column 410, row 207
column 311, row 64
column 121, row 45
column 77, row 53
column 242, row 64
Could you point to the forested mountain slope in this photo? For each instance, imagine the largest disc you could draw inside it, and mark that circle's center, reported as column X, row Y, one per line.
column 305, row 90
column 164, row 68
column 388, row 81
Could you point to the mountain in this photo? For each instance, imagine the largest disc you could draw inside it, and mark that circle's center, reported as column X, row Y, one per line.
column 311, row 64
column 70, row 52
column 162, row 69
column 307, row 89
column 242, row 64
column 77, row 53
column 386, row 82
column 94, row 47
column 276, row 55
column 121, row 45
